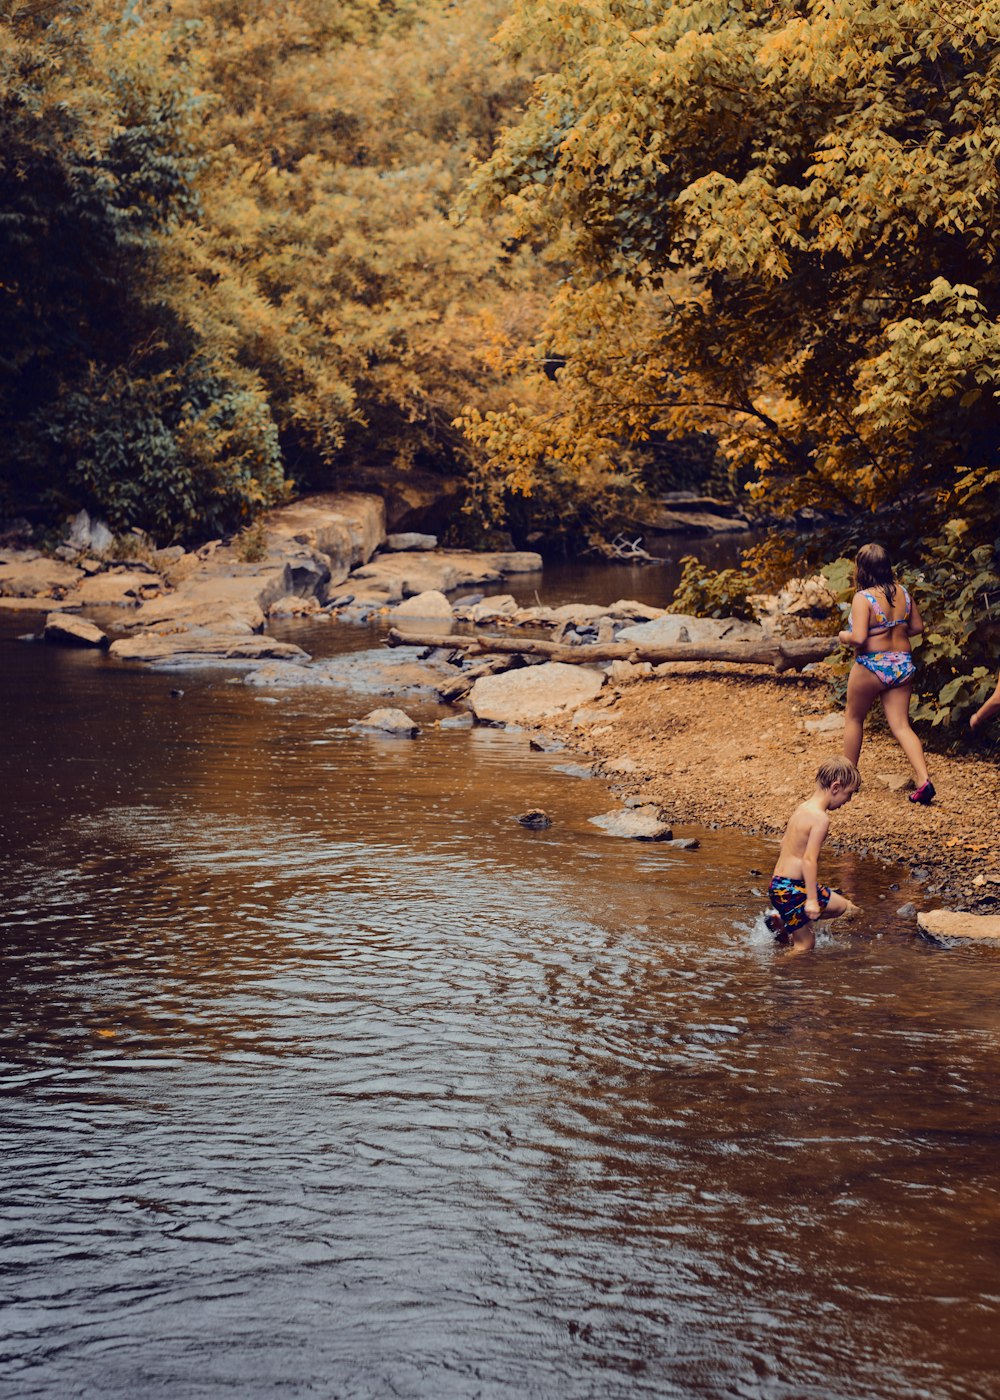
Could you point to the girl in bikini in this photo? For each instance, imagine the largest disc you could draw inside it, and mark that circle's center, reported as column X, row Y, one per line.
column 883, row 619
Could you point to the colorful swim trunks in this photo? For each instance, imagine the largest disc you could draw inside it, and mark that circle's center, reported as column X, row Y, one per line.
column 789, row 898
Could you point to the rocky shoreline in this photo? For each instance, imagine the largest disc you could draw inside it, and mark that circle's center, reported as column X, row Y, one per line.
column 684, row 741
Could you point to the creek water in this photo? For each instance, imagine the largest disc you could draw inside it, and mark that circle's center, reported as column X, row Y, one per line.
column 323, row 1077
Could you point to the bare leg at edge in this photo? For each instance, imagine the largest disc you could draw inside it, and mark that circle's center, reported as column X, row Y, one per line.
column 896, row 704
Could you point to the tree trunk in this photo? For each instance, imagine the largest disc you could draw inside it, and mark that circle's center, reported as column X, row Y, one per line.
column 783, row 655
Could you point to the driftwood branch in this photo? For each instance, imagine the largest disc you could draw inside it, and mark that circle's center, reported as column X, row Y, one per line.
column 782, row 654
column 454, row 690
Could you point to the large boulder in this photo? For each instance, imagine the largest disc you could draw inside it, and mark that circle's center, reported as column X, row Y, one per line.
column 431, row 606
column 346, row 528
column 87, row 535
column 955, row 923
column 532, row 692
column 674, row 628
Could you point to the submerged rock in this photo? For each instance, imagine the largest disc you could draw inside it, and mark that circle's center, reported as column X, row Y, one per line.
column 637, row 824
column 458, row 722
column 536, row 819
column 388, row 721
column 955, row 923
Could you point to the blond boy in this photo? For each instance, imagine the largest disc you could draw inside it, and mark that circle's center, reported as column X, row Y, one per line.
column 794, row 891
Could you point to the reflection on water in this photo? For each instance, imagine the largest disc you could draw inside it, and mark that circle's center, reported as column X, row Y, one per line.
column 653, row 584
column 324, row 1077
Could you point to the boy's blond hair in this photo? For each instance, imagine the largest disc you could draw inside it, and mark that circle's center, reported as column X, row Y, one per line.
column 839, row 770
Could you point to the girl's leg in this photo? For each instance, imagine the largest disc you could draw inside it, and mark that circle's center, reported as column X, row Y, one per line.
column 896, row 704
column 862, row 688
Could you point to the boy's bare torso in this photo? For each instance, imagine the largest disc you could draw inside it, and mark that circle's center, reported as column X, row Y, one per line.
column 807, row 821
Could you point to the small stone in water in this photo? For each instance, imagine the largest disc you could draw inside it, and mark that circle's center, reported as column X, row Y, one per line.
column 536, row 819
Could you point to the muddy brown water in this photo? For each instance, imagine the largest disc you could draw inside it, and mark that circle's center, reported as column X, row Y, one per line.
column 323, row 1077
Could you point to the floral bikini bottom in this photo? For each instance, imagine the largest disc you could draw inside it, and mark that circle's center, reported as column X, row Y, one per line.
column 891, row 667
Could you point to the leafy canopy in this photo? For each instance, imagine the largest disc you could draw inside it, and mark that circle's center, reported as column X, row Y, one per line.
column 779, row 222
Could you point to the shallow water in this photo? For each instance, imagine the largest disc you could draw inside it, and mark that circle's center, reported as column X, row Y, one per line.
column 604, row 583
column 324, row 1077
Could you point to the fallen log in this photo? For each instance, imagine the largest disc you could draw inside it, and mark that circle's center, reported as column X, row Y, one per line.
column 783, row 654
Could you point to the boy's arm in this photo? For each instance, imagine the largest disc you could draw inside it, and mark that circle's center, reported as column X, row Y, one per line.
column 810, row 864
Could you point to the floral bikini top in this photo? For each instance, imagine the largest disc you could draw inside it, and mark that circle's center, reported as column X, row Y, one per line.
column 884, row 623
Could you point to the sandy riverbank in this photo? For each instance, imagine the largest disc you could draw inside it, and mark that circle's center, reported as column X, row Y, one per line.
column 728, row 745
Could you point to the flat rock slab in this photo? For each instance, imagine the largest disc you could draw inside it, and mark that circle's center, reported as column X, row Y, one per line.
column 27, row 578
column 587, row 717
column 41, row 603
column 124, row 590
column 953, row 923
column 638, row 824
column 672, row 628
column 620, row 765
column 193, row 648
column 397, row 673
column 895, row 782
column 533, row 691
column 823, row 724
column 285, row 675
column 391, row 577
column 408, row 540
column 70, row 631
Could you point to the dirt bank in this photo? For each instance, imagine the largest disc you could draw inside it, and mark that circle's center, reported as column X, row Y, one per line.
column 729, row 746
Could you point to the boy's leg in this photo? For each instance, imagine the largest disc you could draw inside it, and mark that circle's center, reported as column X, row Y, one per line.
column 831, row 906
column 835, row 906
column 804, row 939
